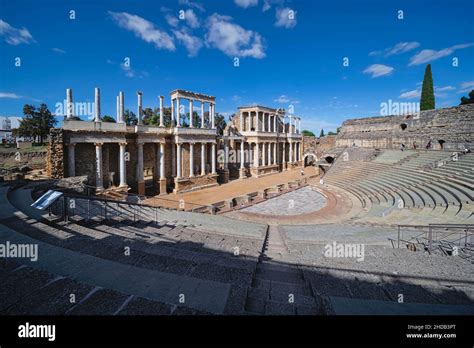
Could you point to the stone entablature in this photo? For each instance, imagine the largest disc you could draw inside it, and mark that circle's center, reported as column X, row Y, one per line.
column 449, row 128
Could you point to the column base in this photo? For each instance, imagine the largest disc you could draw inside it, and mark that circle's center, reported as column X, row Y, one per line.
column 162, row 184
column 141, row 188
column 99, row 189
column 242, row 173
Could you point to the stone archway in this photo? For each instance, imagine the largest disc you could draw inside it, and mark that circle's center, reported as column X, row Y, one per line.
column 309, row 159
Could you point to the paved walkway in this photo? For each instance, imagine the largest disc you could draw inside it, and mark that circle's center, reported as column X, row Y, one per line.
column 234, row 188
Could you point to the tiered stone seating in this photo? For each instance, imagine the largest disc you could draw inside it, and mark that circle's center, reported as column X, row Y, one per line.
column 188, row 257
column 403, row 187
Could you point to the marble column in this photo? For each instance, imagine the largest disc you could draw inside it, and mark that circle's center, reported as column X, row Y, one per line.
column 226, row 154
column 161, row 111
column 269, row 123
column 202, row 115
column 213, row 116
column 118, row 110
column 122, row 106
column 283, row 155
column 139, row 108
column 255, row 156
column 162, row 169
column 172, row 113
column 213, row 164
column 264, row 154
column 71, row 158
column 203, row 158
column 274, row 124
column 69, row 104
column 191, row 113
column 122, row 165
column 275, row 153
column 178, row 161
column 173, row 160
column 290, row 152
column 99, row 183
column 269, row 159
column 178, row 112
column 242, row 154
column 140, row 178
column 97, row 105
column 191, row 160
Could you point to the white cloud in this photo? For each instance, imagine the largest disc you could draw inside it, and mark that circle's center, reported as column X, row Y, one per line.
column 416, row 93
column 14, row 36
column 232, row 39
column 172, row 20
column 399, row 48
column 283, row 99
column 246, row 3
column 58, row 50
column 192, row 43
column 466, row 87
column 377, row 70
column 285, row 17
column 425, row 56
column 9, row 95
column 144, row 29
column 444, row 89
column 191, row 4
column 191, row 18
column 129, row 72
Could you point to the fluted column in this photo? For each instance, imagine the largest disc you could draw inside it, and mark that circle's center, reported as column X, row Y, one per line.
column 71, row 158
column 172, row 113
column 203, row 158
column 162, row 161
column 178, row 161
column 178, row 112
column 264, row 154
column 191, row 160
column 275, row 153
column 122, row 165
column 202, row 115
column 161, row 111
column 213, row 164
column 290, row 152
column 269, row 160
column 269, row 126
column 139, row 107
column 283, row 155
column 99, row 183
column 97, row 105
column 255, row 156
column 274, row 123
column 191, row 108
column 242, row 155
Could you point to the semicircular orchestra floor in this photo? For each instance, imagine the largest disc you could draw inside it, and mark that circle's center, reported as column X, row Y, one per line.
column 302, row 201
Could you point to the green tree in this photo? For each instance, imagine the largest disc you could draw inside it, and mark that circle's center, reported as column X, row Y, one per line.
column 220, row 123
column 36, row 123
column 307, row 133
column 322, row 133
column 427, row 101
column 130, row 118
column 107, row 118
column 470, row 100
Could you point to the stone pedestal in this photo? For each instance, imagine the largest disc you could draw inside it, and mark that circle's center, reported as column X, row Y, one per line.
column 242, row 173
column 162, row 184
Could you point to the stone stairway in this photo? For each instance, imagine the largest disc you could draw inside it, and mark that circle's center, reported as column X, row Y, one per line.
column 279, row 288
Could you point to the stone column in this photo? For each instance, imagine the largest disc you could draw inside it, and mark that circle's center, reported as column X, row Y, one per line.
column 178, row 161
column 139, row 108
column 122, row 107
column 191, row 114
column 122, row 165
column 178, row 113
column 172, row 113
column 290, row 152
column 249, row 121
column 269, row 123
column 213, row 164
column 213, row 116
column 242, row 160
column 256, row 121
column 161, row 112
column 264, row 154
column 118, row 109
column 140, row 178
column 275, row 153
column 203, row 158
column 226, row 154
column 97, row 105
column 255, row 156
column 162, row 169
column 191, row 160
column 274, row 124
column 283, row 156
column 69, row 104
column 202, row 114
column 173, row 160
column 242, row 126
column 71, row 158
column 98, row 171
column 269, row 159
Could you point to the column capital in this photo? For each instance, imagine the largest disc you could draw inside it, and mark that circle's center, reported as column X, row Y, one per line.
column 98, row 144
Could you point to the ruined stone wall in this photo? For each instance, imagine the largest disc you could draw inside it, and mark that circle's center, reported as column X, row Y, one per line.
column 318, row 146
column 55, row 158
column 449, row 128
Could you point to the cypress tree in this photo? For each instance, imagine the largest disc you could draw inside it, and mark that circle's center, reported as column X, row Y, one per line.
column 427, row 101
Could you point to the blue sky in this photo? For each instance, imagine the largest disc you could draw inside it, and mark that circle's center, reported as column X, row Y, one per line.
column 290, row 53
